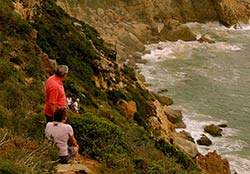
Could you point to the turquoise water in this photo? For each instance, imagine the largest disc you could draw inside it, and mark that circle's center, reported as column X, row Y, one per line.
column 210, row 83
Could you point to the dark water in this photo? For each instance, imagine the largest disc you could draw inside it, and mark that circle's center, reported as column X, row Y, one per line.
column 210, row 83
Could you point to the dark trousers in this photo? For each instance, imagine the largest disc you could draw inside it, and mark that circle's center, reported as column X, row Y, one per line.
column 49, row 118
column 65, row 159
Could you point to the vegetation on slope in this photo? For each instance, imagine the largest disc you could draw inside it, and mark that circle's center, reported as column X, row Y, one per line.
column 103, row 131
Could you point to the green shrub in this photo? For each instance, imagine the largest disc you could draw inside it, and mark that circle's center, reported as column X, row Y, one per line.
column 8, row 167
column 141, row 97
column 5, row 71
column 36, row 127
column 99, row 138
column 130, row 72
column 5, row 117
column 115, row 95
column 11, row 23
column 35, row 68
column 185, row 161
column 12, row 96
column 14, row 100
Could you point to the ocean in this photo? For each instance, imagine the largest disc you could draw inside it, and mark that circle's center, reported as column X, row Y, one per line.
column 210, row 83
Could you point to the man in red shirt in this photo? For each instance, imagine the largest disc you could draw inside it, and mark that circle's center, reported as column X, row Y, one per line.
column 55, row 95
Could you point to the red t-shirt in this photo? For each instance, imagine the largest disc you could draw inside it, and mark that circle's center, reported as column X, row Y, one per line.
column 54, row 94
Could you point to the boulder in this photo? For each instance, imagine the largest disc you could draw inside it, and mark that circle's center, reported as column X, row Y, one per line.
column 163, row 99
column 222, row 125
column 175, row 117
column 186, row 146
column 204, row 140
column 213, row 130
column 181, row 32
column 142, row 32
column 128, row 107
column 184, row 134
column 129, row 39
column 205, row 39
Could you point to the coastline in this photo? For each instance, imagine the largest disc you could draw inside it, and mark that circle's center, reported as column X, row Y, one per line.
column 228, row 141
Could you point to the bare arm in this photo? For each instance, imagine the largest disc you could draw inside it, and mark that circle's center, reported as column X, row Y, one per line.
column 74, row 144
column 73, row 141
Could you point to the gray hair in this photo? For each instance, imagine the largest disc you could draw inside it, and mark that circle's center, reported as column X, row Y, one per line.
column 61, row 70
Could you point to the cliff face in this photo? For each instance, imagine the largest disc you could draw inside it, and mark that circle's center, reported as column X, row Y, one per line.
column 108, row 91
column 127, row 25
column 115, row 108
column 231, row 12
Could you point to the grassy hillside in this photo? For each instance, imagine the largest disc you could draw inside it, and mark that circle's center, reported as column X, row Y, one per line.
column 103, row 131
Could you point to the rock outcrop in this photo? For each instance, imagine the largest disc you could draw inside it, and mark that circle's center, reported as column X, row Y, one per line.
column 127, row 25
column 129, row 107
column 232, row 12
column 159, row 124
column 184, row 142
column 212, row 163
column 175, row 117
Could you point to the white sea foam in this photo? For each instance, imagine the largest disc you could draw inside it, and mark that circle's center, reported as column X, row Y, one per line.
column 207, row 26
column 184, row 50
column 240, row 27
column 223, row 145
column 218, row 74
column 170, row 50
column 238, row 165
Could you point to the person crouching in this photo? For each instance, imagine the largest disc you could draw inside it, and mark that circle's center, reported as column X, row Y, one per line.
column 62, row 133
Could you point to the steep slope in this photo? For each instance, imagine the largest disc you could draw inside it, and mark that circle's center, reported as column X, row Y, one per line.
column 104, row 130
column 120, row 121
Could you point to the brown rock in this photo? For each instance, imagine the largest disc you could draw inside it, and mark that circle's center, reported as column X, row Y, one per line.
column 186, row 135
column 212, row 163
column 159, row 124
column 232, row 12
column 213, row 130
column 179, row 33
column 222, row 125
column 185, row 145
column 164, row 100
column 155, row 126
column 175, row 117
column 204, row 140
column 128, row 107
column 205, row 39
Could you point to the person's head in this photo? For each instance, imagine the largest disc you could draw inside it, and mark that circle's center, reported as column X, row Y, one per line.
column 62, row 70
column 77, row 99
column 60, row 115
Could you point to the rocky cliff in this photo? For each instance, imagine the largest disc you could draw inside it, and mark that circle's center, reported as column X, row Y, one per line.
column 118, row 111
column 127, row 25
column 112, row 125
